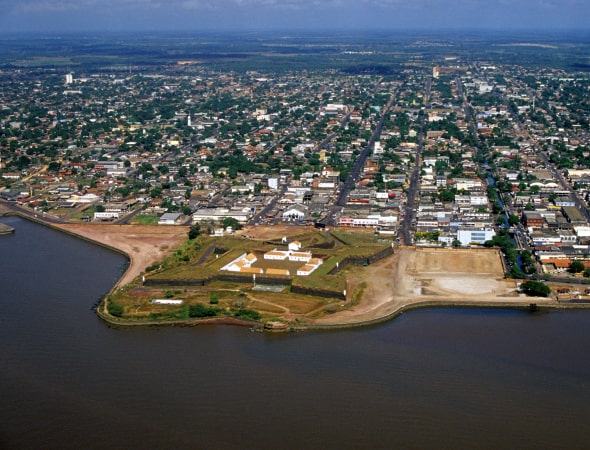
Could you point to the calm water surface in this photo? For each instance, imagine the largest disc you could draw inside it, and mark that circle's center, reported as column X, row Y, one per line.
column 436, row 378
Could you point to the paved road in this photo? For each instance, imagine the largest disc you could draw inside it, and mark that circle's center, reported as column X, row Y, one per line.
column 406, row 225
column 29, row 213
column 269, row 207
column 356, row 170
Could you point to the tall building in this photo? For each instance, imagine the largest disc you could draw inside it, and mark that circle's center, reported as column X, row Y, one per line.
column 69, row 78
column 435, row 72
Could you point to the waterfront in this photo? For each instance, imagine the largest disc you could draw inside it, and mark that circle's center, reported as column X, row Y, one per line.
column 464, row 378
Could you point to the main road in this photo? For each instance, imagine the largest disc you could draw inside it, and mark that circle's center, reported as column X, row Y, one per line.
column 356, row 170
column 406, row 225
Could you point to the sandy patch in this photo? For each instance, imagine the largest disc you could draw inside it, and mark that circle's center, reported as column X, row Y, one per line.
column 467, row 286
column 273, row 232
column 144, row 244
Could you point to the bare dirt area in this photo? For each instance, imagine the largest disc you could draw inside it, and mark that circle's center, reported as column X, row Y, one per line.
column 273, row 232
column 143, row 244
column 413, row 276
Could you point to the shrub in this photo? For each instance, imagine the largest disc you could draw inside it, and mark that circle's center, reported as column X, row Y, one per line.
column 199, row 310
column 154, row 266
column 115, row 309
column 213, row 299
column 247, row 314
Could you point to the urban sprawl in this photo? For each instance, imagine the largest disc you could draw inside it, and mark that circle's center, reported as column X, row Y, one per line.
column 452, row 155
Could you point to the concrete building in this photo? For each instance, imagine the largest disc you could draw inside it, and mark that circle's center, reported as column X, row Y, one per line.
column 475, row 235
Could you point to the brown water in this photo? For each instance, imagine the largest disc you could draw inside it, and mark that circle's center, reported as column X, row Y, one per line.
column 439, row 378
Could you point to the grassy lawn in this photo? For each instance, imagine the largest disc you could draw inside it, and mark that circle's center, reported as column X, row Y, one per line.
column 146, row 219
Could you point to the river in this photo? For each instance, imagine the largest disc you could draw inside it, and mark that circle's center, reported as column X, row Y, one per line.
column 434, row 378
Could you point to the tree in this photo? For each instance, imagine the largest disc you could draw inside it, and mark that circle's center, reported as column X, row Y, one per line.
column 446, row 195
column 231, row 222
column 513, row 220
column 194, row 231
column 535, row 288
column 586, row 273
column 576, row 266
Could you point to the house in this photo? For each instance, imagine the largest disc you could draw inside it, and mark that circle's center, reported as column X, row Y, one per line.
column 275, row 254
column 299, row 256
column 306, row 270
column 243, row 263
column 283, row 272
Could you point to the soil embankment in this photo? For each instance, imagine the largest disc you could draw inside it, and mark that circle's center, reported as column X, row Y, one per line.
column 143, row 244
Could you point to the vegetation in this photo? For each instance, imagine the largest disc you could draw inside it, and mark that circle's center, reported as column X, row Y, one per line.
column 199, row 311
column 576, row 266
column 535, row 288
column 115, row 309
column 194, row 231
column 508, row 247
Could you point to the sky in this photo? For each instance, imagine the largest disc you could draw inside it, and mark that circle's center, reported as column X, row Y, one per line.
column 333, row 15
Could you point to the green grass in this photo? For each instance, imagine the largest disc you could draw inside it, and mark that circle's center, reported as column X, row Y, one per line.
column 147, row 219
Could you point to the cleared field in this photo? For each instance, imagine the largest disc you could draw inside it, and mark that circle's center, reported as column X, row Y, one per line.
column 458, row 262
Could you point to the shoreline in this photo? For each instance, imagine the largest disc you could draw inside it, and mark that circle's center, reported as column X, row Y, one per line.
column 370, row 310
column 5, row 229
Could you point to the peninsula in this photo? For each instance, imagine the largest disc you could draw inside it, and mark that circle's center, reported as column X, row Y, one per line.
column 408, row 278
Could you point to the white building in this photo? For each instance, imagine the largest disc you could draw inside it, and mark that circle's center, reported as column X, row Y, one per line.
column 107, row 215
column 296, row 212
column 206, row 214
column 170, row 219
column 475, row 235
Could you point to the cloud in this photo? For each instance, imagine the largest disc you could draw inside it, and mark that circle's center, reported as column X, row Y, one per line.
column 269, row 5
column 40, row 6
column 297, row 14
column 199, row 4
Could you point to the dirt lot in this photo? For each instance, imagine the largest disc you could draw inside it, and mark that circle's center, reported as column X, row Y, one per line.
column 144, row 244
column 427, row 275
column 274, row 232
